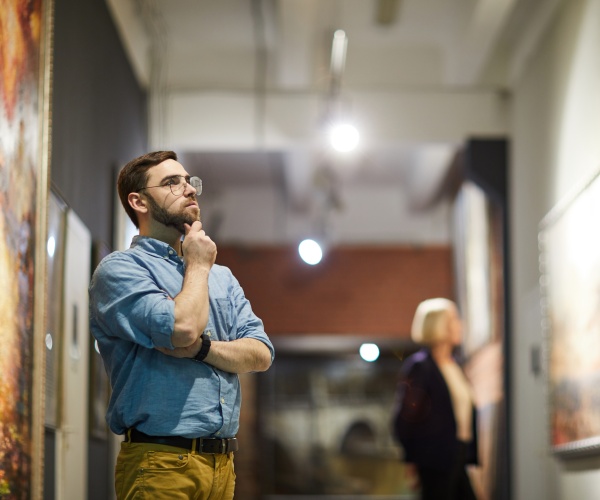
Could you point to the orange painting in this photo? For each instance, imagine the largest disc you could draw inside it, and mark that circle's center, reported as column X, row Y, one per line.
column 20, row 143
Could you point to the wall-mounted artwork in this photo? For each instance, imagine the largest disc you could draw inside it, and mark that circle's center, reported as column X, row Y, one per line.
column 481, row 246
column 55, row 248
column 478, row 244
column 24, row 128
column 570, row 286
column 473, row 266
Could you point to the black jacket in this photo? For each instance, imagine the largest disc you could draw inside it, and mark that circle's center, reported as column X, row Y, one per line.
column 423, row 418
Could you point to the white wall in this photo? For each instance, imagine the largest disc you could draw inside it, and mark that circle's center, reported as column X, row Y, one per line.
column 555, row 127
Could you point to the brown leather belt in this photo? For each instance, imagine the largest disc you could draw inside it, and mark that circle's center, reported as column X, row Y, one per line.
column 200, row 445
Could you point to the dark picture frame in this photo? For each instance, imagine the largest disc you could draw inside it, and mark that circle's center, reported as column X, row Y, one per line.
column 481, row 243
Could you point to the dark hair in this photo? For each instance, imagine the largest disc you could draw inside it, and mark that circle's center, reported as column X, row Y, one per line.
column 134, row 176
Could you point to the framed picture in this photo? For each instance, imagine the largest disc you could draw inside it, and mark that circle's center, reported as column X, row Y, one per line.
column 478, row 257
column 570, row 288
column 473, row 266
column 55, row 249
column 25, row 45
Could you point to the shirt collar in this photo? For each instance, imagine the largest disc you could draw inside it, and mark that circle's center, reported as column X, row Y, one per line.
column 153, row 247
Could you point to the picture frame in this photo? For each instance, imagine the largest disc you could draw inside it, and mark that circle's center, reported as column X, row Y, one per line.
column 479, row 243
column 25, row 83
column 569, row 251
column 472, row 233
column 55, row 249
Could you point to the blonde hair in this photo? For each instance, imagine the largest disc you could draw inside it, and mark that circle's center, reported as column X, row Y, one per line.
column 426, row 322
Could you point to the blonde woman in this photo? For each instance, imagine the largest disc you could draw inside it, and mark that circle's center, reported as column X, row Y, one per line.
column 435, row 418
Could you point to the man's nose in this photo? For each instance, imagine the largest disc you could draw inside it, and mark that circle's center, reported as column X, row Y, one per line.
column 189, row 189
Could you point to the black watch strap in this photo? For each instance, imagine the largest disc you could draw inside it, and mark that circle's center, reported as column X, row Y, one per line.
column 202, row 353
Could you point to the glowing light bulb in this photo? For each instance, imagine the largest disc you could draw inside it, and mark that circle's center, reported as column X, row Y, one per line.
column 310, row 252
column 51, row 246
column 369, row 352
column 344, row 137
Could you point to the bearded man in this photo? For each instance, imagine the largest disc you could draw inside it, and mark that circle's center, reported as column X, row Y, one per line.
column 174, row 330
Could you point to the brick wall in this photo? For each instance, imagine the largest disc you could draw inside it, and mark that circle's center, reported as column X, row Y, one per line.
column 355, row 289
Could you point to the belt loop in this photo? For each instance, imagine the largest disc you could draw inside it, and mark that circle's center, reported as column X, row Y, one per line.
column 128, row 435
column 194, row 445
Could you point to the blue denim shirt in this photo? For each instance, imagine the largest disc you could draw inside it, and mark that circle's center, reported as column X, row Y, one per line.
column 132, row 311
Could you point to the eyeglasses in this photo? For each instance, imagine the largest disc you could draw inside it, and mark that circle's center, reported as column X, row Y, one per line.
column 177, row 184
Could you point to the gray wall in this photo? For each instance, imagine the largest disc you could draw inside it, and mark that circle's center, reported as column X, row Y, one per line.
column 99, row 111
column 98, row 123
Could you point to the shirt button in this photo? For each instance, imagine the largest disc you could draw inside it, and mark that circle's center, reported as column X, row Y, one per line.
column 208, row 333
column 222, row 400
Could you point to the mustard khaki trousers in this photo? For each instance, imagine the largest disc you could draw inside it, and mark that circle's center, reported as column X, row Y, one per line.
column 160, row 472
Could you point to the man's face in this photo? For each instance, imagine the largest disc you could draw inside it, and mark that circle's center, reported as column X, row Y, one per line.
column 165, row 207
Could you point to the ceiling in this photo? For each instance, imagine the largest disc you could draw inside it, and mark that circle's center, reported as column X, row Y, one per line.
column 245, row 90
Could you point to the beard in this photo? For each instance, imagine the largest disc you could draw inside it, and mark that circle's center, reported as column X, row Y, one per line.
column 174, row 220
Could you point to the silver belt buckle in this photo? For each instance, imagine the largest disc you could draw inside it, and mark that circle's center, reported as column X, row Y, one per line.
column 223, row 445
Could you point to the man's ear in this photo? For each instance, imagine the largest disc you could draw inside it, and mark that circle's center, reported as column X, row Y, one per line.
column 138, row 203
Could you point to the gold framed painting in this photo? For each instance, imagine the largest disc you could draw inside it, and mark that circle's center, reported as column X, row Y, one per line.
column 569, row 283
column 25, row 68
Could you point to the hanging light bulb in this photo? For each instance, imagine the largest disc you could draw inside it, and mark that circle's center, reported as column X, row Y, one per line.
column 369, row 352
column 344, row 137
column 310, row 251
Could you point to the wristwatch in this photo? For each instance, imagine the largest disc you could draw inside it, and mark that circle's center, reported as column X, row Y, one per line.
column 202, row 353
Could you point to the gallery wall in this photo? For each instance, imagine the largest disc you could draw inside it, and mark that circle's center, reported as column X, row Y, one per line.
column 555, row 129
column 98, row 123
column 369, row 291
column 99, row 111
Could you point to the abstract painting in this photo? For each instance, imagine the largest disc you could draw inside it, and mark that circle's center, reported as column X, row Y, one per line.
column 570, row 286
column 24, row 128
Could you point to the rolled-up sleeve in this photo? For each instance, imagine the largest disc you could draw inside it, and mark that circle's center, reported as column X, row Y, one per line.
column 126, row 302
column 248, row 324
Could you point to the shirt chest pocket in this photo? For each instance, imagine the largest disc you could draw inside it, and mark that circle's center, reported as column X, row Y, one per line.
column 221, row 321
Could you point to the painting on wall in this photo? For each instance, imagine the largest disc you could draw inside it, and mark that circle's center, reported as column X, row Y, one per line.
column 55, row 248
column 24, row 128
column 570, row 287
column 478, row 256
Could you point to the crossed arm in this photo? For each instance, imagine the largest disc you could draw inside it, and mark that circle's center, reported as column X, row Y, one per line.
column 192, row 311
column 237, row 356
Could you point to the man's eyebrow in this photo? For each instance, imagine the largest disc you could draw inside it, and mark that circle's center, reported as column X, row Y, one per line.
column 169, row 177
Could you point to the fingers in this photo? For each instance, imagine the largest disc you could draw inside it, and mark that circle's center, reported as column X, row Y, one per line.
column 196, row 226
